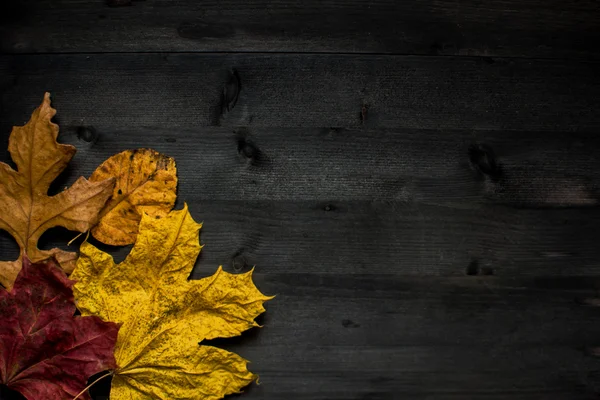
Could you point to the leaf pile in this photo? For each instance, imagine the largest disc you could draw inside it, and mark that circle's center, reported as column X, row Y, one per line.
column 142, row 319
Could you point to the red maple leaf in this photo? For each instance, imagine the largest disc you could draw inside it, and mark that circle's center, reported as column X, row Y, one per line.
column 45, row 351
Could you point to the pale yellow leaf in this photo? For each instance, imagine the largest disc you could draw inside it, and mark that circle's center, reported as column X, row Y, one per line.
column 165, row 316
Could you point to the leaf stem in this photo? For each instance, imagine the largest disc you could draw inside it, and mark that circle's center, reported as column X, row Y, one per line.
column 92, row 384
column 87, row 235
column 75, row 238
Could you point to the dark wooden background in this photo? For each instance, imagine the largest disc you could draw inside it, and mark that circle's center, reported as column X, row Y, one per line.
column 417, row 181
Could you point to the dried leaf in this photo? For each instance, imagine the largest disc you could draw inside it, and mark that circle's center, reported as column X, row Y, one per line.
column 26, row 211
column 165, row 315
column 146, row 181
column 45, row 352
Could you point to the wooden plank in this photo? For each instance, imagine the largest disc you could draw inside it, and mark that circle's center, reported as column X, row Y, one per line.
column 367, row 201
column 184, row 91
column 332, row 372
column 389, row 310
column 386, row 337
column 340, row 336
column 521, row 28
column 386, row 238
column 460, row 169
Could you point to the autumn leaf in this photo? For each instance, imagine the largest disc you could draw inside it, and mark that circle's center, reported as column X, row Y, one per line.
column 165, row 315
column 26, row 210
column 45, row 352
column 146, row 181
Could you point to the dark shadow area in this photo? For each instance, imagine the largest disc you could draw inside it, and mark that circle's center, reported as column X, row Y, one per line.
column 4, row 153
column 64, row 180
column 13, row 11
column 101, row 389
column 197, row 264
column 245, row 392
column 58, row 237
column 119, row 253
column 230, row 343
column 8, row 394
column 9, row 249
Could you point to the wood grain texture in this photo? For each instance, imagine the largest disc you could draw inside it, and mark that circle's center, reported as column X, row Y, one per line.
column 520, row 28
column 381, row 238
column 414, row 263
column 459, row 169
column 289, row 196
column 179, row 91
column 365, row 337
column 330, row 336
column 359, row 202
column 416, row 181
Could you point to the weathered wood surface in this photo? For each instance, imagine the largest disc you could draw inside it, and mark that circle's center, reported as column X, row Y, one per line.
column 429, row 224
column 361, row 201
column 384, row 285
column 185, row 90
column 518, row 28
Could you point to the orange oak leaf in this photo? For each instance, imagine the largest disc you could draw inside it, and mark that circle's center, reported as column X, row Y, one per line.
column 26, row 210
column 146, row 182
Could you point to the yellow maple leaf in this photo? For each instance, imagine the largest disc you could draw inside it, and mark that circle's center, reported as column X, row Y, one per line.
column 146, row 181
column 165, row 316
column 26, row 210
